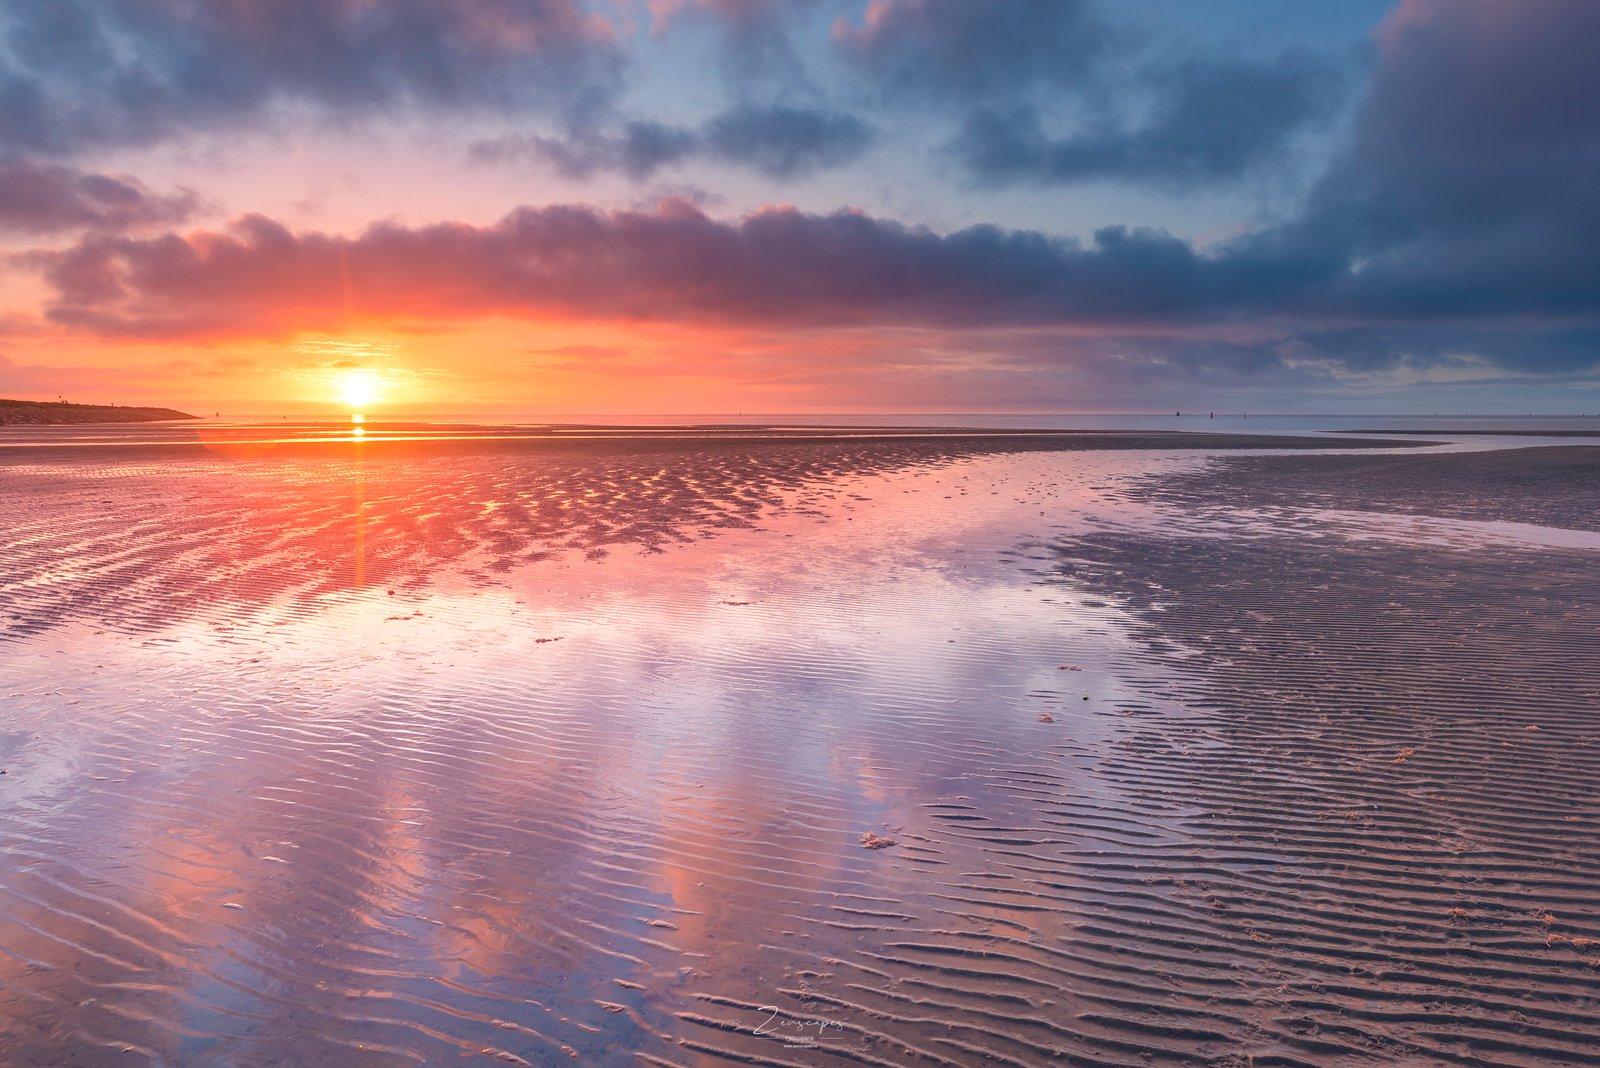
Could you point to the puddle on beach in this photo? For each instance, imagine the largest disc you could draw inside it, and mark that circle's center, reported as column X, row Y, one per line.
column 506, row 756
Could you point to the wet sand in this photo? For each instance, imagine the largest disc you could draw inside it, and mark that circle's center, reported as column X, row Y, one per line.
column 1549, row 485
column 578, row 752
column 153, row 526
column 1388, row 773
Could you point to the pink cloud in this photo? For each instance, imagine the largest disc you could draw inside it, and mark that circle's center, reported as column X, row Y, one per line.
column 38, row 198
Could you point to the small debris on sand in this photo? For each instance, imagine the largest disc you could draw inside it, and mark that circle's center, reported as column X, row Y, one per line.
column 738, row 604
column 1069, row 667
column 542, row 641
column 871, row 840
column 1045, row 717
column 1405, row 752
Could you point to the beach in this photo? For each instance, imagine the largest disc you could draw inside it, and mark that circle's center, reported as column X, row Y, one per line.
column 797, row 746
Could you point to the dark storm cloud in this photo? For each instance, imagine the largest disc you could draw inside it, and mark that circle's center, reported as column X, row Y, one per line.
column 40, row 198
column 1468, row 187
column 78, row 73
column 779, row 142
column 1479, row 113
column 1210, row 120
column 1459, row 224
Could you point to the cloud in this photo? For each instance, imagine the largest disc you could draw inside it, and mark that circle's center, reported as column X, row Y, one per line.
column 779, row 142
column 1545, row 350
column 40, row 198
column 76, row 75
column 781, row 268
column 639, row 151
column 779, row 265
column 756, row 48
column 785, row 142
column 1054, row 92
column 1468, row 186
column 79, row 73
column 1211, row 120
column 1456, row 230
column 961, row 50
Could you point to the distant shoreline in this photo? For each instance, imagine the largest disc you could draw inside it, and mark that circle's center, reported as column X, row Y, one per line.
column 1489, row 433
column 48, row 413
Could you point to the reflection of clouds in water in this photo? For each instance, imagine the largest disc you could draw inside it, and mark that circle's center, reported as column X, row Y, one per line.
column 415, row 821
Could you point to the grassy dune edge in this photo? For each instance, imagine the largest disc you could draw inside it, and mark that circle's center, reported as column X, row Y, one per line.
column 44, row 413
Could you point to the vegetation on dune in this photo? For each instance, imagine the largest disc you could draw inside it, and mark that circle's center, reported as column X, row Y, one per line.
column 43, row 413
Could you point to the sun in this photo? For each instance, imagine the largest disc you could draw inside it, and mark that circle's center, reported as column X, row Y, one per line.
column 359, row 387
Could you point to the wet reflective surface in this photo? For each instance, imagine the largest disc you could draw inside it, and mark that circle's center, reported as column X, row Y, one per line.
column 567, row 754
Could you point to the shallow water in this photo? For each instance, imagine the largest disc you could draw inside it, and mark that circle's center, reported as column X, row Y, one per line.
column 556, row 755
column 306, row 759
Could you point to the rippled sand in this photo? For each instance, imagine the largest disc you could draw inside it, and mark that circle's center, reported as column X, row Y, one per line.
column 553, row 749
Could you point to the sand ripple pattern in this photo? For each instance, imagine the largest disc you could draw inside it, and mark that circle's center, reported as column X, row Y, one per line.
column 139, row 534
column 1265, row 796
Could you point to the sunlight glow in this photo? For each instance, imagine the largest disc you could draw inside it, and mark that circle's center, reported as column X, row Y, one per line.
column 359, row 387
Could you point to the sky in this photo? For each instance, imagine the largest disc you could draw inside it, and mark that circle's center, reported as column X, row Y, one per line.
column 525, row 207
